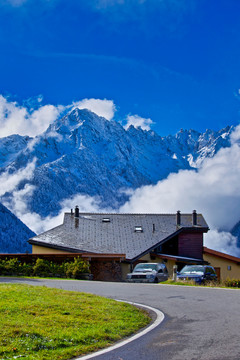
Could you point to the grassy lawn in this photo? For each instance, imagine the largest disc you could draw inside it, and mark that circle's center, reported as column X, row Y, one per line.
column 192, row 283
column 42, row 323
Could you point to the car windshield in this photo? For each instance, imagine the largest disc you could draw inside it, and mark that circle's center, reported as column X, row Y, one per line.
column 140, row 267
column 192, row 269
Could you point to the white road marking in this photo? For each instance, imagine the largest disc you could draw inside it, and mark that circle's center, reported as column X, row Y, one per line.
column 157, row 321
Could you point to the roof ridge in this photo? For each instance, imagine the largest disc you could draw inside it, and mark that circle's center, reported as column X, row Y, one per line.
column 114, row 213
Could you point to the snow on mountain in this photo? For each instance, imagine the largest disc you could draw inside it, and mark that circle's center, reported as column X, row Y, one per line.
column 10, row 147
column 83, row 153
column 13, row 233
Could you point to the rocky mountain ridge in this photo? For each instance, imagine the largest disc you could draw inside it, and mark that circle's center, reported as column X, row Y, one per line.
column 83, row 153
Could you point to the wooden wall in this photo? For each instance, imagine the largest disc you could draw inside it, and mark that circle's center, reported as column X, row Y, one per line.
column 190, row 245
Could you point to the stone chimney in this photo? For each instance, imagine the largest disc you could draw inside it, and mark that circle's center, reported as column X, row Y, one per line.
column 77, row 212
column 178, row 218
column 194, row 218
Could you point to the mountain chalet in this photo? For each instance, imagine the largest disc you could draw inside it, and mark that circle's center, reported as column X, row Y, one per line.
column 115, row 243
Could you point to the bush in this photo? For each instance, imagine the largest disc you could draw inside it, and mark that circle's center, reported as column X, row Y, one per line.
column 56, row 270
column 43, row 267
column 9, row 267
column 232, row 283
column 26, row 269
column 76, row 268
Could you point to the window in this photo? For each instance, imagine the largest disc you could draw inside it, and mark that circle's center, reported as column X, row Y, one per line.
column 229, row 267
column 138, row 229
column 106, row 220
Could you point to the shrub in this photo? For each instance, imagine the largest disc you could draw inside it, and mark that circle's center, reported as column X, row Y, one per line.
column 9, row 267
column 232, row 283
column 26, row 269
column 41, row 267
column 2, row 267
column 76, row 268
column 56, row 269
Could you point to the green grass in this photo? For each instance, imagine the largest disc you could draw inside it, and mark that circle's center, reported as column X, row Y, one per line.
column 192, row 283
column 41, row 323
column 179, row 282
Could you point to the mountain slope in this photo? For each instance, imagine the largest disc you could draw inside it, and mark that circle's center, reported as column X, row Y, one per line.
column 87, row 154
column 10, row 147
column 13, row 233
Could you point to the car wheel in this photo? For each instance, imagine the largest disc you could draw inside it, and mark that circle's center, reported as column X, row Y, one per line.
column 156, row 280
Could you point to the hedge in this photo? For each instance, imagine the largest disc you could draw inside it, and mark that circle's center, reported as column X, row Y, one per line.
column 44, row 268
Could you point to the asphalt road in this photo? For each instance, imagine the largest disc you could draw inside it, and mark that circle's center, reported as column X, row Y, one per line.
column 200, row 323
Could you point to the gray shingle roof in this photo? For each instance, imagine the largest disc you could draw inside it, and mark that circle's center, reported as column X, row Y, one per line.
column 89, row 233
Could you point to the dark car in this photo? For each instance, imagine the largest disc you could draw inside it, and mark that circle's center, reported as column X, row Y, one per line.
column 198, row 273
column 148, row 273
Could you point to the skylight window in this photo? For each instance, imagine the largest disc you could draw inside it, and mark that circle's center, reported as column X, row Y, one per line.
column 138, row 229
column 106, row 220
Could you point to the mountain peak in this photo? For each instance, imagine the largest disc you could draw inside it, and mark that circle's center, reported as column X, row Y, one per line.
column 74, row 119
column 83, row 153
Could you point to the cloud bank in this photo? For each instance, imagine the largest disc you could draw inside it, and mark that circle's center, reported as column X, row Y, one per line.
column 18, row 204
column 26, row 120
column 22, row 120
column 213, row 189
column 9, row 181
column 105, row 108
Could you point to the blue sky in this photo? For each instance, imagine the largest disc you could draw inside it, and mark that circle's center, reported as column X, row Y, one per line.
column 173, row 61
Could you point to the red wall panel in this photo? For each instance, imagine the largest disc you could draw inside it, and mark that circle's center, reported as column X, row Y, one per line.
column 190, row 245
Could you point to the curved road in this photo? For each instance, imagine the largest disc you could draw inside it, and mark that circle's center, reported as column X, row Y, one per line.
column 200, row 323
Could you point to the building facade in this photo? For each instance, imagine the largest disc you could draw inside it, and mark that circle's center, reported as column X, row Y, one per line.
column 175, row 239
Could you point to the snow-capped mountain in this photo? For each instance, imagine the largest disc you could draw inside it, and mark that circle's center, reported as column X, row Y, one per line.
column 10, row 147
column 13, row 233
column 83, row 153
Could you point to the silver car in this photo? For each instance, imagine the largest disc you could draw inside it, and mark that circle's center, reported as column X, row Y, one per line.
column 148, row 273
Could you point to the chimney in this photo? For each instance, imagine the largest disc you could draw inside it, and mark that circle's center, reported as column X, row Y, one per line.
column 154, row 228
column 194, row 218
column 178, row 218
column 76, row 222
column 77, row 212
column 71, row 211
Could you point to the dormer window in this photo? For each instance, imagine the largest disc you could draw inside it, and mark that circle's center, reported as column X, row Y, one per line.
column 105, row 220
column 138, row 229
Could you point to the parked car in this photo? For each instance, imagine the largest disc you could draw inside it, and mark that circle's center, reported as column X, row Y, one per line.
column 198, row 273
column 148, row 273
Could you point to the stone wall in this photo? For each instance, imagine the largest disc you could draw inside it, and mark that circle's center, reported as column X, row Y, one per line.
column 108, row 270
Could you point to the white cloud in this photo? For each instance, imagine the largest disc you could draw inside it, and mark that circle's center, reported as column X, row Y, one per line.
column 84, row 202
column 214, row 190
column 222, row 241
column 10, row 181
column 235, row 135
column 18, row 204
column 105, row 108
column 24, row 120
column 17, row 119
column 42, row 117
column 138, row 121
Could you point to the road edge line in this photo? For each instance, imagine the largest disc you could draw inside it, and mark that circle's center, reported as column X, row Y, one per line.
column 159, row 318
